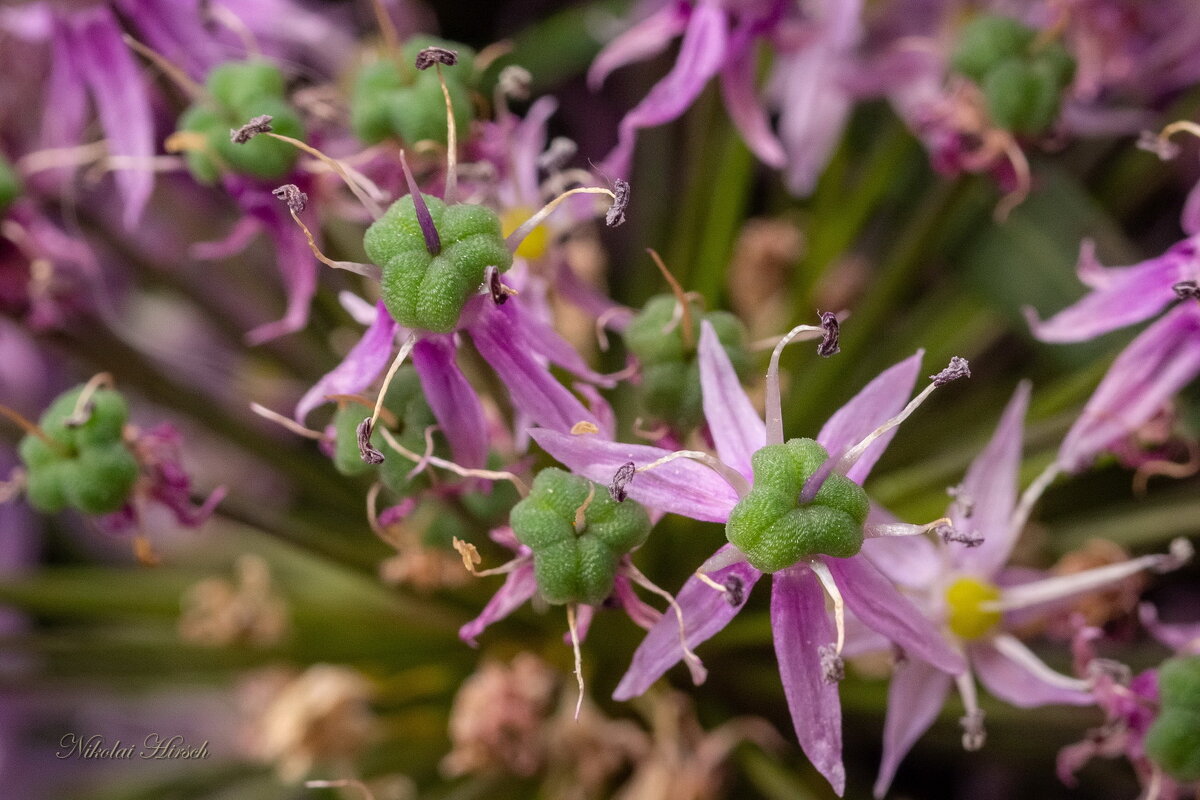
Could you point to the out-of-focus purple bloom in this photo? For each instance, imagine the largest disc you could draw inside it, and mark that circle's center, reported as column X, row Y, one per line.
column 1156, row 365
column 90, row 61
column 971, row 595
column 719, row 38
column 163, row 480
column 46, row 275
column 804, row 634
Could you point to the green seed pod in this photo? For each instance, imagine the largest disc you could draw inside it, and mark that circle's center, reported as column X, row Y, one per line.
column 576, row 566
column 391, row 98
column 670, row 388
column 88, row 467
column 10, row 184
column 774, row 531
column 237, row 84
column 987, row 41
column 101, row 480
column 243, row 90
column 1057, row 64
column 1173, row 741
column 1021, row 97
column 426, row 291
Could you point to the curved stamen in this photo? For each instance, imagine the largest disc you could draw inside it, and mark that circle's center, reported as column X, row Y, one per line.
column 405, row 349
column 822, row 572
column 773, row 401
column 731, row 475
column 1030, row 496
column 958, row 368
column 1012, row 648
column 974, row 734
column 296, row 202
column 514, row 239
column 695, row 667
column 436, row 57
column 578, row 656
column 360, row 185
column 34, row 429
column 193, row 90
column 82, row 411
column 285, row 422
column 485, row 474
column 685, row 310
column 1059, row 587
column 886, row 529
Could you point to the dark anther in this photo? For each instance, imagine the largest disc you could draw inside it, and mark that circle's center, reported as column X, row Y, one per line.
column 1187, row 290
column 616, row 212
column 290, row 193
column 957, row 368
column 251, row 129
column 620, row 482
column 365, row 451
column 967, row 539
column 499, row 294
column 833, row 668
column 735, row 590
column 436, row 55
column 829, row 345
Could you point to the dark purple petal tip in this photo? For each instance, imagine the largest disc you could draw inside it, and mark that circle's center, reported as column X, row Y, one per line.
column 251, row 129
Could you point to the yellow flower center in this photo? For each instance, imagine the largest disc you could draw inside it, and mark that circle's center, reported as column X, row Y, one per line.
column 965, row 599
column 534, row 245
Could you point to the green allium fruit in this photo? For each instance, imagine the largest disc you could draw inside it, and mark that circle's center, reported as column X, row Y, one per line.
column 10, row 184
column 986, row 42
column 1173, row 741
column 1022, row 79
column 670, row 388
column 88, row 467
column 242, row 90
column 427, row 291
column 573, row 566
column 775, row 531
column 397, row 99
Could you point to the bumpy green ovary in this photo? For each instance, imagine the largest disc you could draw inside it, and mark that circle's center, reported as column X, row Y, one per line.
column 391, row 98
column 1173, row 741
column 427, row 291
column 240, row 91
column 670, row 388
column 88, row 467
column 573, row 566
column 10, row 184
column 1022, row 78
column 774, row 531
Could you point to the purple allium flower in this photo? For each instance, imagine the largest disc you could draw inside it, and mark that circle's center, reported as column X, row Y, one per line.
column 1156, row 365
column 809, row 660
column 968, row 593
column 719, row 38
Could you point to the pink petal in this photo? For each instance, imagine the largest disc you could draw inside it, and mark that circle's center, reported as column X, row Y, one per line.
column 743, row 103
column 361, row 365
column 546, row 342
column 1128, row 295
column 705, row 613
column 879, row 605
column 237, row 240
column 533, row 389
column 66, row 94
column 701, row 55
column 878, row 402
column 1180, row 637
column 802, row 626
column 679, row 487
column 991, row 489
column 453, row 401
column 519, row 587
column 737, row 429
column 644, row 40
column 1157, row 364
column 915, row 697
column 1015, row 684
column 296, row 266
column 122, row 102
column 528, row 139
